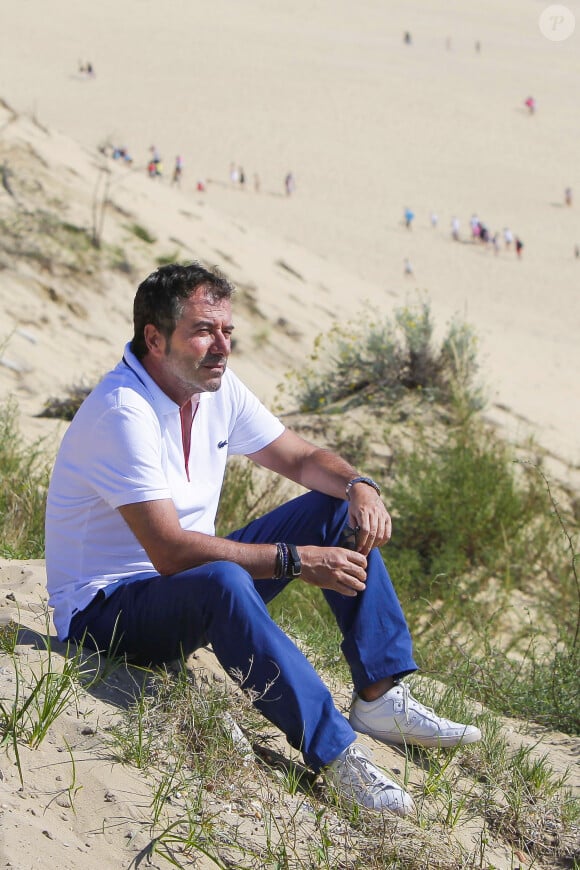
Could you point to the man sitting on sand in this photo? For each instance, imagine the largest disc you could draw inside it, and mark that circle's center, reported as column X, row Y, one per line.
column 134, row 565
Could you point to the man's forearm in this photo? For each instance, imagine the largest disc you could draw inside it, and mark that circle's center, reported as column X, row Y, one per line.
column 172, row 549
column 327, row 472
column 195, row 548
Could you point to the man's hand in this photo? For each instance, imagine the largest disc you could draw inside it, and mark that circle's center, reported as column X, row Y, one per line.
column 369, row 517
column 295, row 458
column 334, row 568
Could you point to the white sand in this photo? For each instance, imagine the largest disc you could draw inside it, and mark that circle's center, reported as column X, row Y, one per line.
column 369, row 126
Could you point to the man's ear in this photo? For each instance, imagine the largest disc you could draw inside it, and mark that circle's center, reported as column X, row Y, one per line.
column 154, row 340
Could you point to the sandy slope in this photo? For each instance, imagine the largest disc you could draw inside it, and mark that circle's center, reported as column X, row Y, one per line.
column 80, row 808
column 369, row 126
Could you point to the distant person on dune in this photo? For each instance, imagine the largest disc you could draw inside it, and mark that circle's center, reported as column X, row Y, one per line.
column 86, row 69
column 530, row 103
column 519, row 247
column 455, row 228
column 408, row 217
column 177, row 170
column 155, row 165
column 134, row 565
column 568, row 196
column 289, row 184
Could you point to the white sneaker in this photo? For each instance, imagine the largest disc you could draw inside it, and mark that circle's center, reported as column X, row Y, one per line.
column 396, row 717
column 239, row 740
column 359, row 781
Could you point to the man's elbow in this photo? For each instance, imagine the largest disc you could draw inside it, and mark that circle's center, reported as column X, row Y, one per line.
column 167, row 564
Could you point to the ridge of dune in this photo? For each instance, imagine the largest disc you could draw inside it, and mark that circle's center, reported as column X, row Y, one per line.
column 369, row 125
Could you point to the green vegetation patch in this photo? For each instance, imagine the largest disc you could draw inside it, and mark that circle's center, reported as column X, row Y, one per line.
column 142, row 233
column 24, row 472
column 379, row 362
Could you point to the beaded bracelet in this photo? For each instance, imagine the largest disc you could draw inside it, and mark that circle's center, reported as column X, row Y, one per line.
column 281, row 561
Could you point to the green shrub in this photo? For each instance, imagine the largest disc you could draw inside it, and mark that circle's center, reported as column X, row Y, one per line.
column 464, row 504
column 382, row 361
column 24, row 473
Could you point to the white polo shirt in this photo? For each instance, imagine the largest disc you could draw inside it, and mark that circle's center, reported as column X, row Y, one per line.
column 124, row 446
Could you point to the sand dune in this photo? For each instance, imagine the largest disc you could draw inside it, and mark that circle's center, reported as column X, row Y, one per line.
column 369, row 126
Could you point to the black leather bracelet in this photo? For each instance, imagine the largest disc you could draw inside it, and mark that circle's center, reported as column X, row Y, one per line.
column 369, row 482
column 282, row 558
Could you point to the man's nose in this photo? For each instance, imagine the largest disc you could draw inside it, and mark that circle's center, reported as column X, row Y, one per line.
column 221, row 343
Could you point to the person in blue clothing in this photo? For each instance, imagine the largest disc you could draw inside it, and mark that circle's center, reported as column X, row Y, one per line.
column 134, row 564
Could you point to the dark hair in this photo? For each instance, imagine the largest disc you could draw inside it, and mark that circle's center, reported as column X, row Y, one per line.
column 161, row 296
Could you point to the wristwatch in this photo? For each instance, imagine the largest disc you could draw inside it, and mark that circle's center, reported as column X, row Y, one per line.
column 369, row 482
column 294, row 562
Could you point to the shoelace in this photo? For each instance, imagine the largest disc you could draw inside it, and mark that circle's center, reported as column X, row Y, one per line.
column 358, row 760
column 409, row 702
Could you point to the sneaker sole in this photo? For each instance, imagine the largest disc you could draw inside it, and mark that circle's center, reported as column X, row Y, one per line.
column 403, row 808
column 427, row 742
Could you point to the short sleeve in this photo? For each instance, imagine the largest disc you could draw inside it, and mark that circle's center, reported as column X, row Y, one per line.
column 254, row 426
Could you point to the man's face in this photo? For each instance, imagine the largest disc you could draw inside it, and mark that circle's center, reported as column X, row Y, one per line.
column 196, row 354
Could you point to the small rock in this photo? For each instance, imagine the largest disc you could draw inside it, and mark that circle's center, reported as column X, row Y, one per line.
column 48, row 834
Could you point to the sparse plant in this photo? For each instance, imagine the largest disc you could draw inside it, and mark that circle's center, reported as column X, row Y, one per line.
column 167, row 259
column 65, row 408
column 8, row 636
column 24, row 472
column 41, row 695
column 355, row 365
column 142, row 233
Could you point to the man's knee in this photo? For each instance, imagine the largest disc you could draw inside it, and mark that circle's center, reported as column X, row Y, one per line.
column 217, row 581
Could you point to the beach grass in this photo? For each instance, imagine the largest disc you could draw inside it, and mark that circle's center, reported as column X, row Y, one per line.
column 471, row 521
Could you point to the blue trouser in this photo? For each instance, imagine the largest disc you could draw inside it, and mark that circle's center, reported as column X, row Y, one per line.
column 162, row 618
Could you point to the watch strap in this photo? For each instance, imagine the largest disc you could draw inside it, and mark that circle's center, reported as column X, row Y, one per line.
column 369, row 482
column 294, row 562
